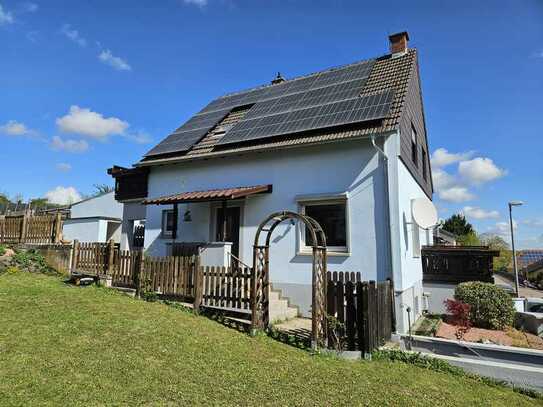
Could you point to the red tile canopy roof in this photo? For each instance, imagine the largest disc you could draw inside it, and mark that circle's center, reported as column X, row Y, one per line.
column 210, row 195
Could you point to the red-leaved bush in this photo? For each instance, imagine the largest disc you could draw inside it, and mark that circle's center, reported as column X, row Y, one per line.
column 459, row 312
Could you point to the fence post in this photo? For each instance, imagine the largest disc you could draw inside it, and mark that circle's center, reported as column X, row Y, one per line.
column 198, row 283
column 58, row 228
column 22, row 237
column 2, row 228
column 392, row 304
column 75, row 256
column 110, row 262
column 139, row 272
column 110, row 256
column 253, row 300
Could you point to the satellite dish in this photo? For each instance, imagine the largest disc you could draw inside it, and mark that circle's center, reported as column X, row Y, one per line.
column 424, row 213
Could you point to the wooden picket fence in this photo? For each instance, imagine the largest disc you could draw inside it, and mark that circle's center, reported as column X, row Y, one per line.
column 361, row 313
column 171, row 276
column 364, row 311
column 29, row 228
column 227, row 287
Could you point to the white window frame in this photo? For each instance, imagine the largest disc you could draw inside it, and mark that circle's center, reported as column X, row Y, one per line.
column 166, row 233
column 329, row 199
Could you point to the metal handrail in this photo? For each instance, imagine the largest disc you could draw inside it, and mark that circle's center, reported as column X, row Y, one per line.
column 238, row 260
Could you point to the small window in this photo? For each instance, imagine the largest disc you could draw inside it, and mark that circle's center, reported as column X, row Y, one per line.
column 167, row 223
column 424, row 169
column 414, row 155
column 332, row 216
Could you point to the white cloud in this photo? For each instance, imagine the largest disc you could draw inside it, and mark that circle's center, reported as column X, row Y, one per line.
column 63, row 167
column 456, row 194
column 479, row 170
column 502, row 228
column 479, row 213
column 442, row 179
column 199, row 3
column 5, row 16
column 88, row 123
column 63, row 195
column 30, row 7
column 70, row 146
column 14, row 128
column 441, row 157
column 73, row 35
column 109, row 59
column 139, row 137
column 18, row 129
column 536, row 223
column 448, row 188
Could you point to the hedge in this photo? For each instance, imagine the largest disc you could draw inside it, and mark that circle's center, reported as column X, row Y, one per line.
column 491, row 306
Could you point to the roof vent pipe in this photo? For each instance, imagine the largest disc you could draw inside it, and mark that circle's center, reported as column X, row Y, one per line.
column 398, row 43
column 278, row 79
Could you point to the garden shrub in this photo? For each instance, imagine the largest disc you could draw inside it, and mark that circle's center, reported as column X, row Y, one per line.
column 2, row 250
column 491, row 307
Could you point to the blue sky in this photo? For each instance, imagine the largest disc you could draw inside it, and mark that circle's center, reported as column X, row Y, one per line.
column 85, row 85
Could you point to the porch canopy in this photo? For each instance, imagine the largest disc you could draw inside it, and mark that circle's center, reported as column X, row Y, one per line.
column 210, row 195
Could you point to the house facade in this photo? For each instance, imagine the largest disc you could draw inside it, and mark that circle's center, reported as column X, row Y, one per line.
column 346, row 146
column 96, row 219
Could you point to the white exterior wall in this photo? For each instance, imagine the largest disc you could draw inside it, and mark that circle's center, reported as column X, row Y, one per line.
column 407, row 262
column 101, row 206
column 132, row 211
column 348, row 167
column 85, row 230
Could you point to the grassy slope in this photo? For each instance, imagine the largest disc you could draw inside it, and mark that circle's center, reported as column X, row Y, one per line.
column 64, row 344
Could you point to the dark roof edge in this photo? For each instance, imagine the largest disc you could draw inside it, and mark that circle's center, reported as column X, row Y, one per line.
column 253, row 149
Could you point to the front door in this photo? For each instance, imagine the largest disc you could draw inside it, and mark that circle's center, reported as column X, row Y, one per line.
column 232, row 227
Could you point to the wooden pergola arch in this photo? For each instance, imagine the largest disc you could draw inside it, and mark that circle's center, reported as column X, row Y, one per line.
column 261, row 252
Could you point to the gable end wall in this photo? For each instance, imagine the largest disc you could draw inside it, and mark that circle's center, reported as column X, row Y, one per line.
column 413, row 113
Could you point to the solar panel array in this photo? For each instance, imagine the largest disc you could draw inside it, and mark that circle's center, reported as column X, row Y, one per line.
column 332, row 114
column 527, row 257
column 324, row 99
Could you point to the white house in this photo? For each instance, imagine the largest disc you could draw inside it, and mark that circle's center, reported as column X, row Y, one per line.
column 346, row 146
column 96, row 219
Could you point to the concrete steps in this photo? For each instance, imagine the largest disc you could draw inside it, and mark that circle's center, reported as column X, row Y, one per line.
column 280, row 307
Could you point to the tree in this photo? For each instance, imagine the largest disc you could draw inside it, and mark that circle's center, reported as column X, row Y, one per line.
column 458, row 225
column 496, row 242
column 469, row 239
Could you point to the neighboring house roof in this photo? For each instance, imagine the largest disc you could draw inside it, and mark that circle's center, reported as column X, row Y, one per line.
column 534, row 267
column 90, row 198
column 528, row 257
column 387, row 82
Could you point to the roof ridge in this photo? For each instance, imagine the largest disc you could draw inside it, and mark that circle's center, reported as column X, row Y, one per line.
column 268, row 85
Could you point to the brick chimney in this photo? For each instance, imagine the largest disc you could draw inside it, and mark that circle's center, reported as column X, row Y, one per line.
column 398, row 43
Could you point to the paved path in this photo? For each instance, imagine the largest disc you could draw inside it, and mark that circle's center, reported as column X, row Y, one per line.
column 524, row 291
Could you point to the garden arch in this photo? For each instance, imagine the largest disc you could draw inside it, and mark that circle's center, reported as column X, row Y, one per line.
column 260, row 290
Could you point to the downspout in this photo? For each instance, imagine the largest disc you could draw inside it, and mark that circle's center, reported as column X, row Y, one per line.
column 387, row 203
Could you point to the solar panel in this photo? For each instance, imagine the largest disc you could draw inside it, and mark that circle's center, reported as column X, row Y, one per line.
column 320, row 100
column 332, row 114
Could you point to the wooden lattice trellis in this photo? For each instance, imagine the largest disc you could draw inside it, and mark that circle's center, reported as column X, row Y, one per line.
column 260, row 290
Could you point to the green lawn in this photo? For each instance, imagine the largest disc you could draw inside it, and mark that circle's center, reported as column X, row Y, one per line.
column 62, row 344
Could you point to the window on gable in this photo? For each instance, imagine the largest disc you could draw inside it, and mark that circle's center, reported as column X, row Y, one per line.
column 167, row 223
column 414, row 155
column 424, row 166
column 331, row 214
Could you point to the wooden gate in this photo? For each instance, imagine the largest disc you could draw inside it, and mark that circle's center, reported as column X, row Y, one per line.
column 364, row 311
column 261, row 261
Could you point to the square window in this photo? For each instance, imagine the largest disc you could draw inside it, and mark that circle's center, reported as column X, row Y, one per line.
column 332, row 216
column 167, row 223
